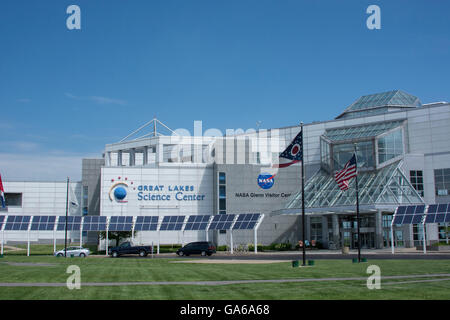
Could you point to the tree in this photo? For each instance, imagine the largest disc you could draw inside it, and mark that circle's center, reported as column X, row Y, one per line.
column 116, row 235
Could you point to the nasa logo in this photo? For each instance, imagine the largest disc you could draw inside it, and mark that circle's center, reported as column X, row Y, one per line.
column 266, row 180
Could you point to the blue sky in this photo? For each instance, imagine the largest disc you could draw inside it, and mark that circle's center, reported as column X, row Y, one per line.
column 65, row 93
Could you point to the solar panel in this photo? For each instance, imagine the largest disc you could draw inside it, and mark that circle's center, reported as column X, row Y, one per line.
column 122, row 223
column 409, row 214
column 398, row 219
column 401, row 210
column 17, row 223
column 73, row 223
column 246, row 221
column 438, row 213
column 94, row 223
column 43, row 223
column 222, row 222
column 172, row 223
column 146, row 223
column 197, row 223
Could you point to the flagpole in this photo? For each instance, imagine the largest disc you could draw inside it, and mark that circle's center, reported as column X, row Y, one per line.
column 303, row 198
column 67, row 213
column 357, row 206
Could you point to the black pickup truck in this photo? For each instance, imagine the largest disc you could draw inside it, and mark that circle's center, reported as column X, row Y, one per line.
column 127, row 248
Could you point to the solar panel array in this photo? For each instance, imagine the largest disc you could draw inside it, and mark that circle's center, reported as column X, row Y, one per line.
column 409, row 214
column 147, row 223
column 94, row 223
column 197, row 223
column 43, row 223
column 172, row 223
column 17, row 223
column 222, row 222
column 438, row 213
column 120, row 223
column 246, row 221
column 125, row 223
column 73, row 223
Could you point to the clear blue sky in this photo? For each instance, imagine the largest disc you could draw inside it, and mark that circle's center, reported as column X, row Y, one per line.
column 65, row 94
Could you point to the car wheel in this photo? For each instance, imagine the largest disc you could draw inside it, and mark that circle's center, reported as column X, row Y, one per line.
column 142, row 253
column 115, row 254
column 82, row 255
column 209, row 254
column 203, row 253
column 181, row 253
column 59, row 254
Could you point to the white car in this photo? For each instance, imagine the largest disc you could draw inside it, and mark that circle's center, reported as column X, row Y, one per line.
column 74, row 251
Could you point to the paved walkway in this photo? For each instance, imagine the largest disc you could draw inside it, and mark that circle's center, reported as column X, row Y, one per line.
column 443, row 276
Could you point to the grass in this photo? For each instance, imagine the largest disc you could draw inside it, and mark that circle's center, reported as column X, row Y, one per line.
column 98, row 269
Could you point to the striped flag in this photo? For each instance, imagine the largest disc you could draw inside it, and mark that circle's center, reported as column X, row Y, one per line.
column 345, row 175
column 2, row 194
column 293, row 153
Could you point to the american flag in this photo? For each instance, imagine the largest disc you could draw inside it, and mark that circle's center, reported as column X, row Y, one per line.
column 292, row 154
column 343, row 177
column 2, row 194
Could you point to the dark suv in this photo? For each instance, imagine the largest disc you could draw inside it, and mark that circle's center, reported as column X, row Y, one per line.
column 203, row 247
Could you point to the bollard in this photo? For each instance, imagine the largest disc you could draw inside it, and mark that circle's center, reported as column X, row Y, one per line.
column 310, row 262
column 295, row 264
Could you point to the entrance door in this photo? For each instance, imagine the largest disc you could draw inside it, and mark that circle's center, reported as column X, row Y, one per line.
column 367, row 240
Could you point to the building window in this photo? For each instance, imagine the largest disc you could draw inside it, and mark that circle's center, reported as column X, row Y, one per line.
column 13, row 199
column 390, row 146
column 316, row 228
column 222, row 196
column 416, row 178
column 343, row 152
column 442, row 181
column 387, row 220
column 443, row 232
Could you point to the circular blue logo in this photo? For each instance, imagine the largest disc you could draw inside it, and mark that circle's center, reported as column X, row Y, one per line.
column 120, row 193
column 266, row 180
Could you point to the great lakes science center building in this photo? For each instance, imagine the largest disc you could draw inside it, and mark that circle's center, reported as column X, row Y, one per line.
column 403, row 149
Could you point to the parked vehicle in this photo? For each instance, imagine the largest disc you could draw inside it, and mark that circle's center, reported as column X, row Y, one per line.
column 127, row 248
column 202, row 247
column 74, row 251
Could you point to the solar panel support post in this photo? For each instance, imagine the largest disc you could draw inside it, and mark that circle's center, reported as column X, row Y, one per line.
column 67, row 213
column 54, row 237
column 107, row 231
column 255, row 240
column 258, row 223
column 231, row 242
column 81, row 234
column 28, row 241
column 3, row 240
column 159, row 240
column 303, row 198
column 392, row 232
column 446, row 232
column 424, row 238
column 182, row 238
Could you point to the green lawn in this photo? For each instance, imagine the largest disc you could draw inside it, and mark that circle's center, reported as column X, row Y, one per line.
column 97, row 269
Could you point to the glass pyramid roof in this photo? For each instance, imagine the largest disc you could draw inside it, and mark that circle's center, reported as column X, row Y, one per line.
column 396, row 98
column 363, row 131
column 386, row 186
